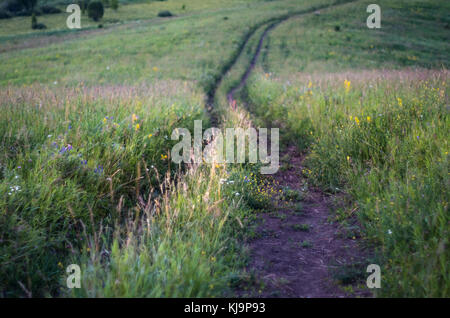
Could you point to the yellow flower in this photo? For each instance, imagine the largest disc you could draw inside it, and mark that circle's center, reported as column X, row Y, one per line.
column 133, row 118
column 155, row 69
column 163, row 157
column 137, row 127
column 105, row 120
column 309, row 84
column 351, row 117
column 150, row 136
column 356, row 120
column 60, row 264
column 213, row 259
column 400, row 102
column 347, row 85
column 368, row 119
column 348, row 158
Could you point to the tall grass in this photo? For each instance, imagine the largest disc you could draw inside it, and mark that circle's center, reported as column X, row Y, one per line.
column 68, row 156
column 381, row 136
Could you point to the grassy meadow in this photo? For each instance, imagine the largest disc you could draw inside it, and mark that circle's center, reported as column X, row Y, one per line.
column 86, row 117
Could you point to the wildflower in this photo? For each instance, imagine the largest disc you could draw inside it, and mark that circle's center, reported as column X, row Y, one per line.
column 134, row 118
column 213, row 259
column 356, row 120
column 137, row 127
column 155, row 69
column 149, row 136
column 237, row 194
column 417, row 138
column 203, row 252
column 99, row 169
column 309, row 84
column 400, row 102
column 163, row 157
column 351, row 117
column 348, row 158
column 105, row 120
column 369, row 119
column 347, row 85
column 60, row 264
column 49, row 136
column 389, row 232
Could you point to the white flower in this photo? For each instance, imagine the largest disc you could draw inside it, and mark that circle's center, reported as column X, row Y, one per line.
column 237, row 194
column 222, row 181
column 231, row 182
column 107, row 68
column 49, row 136
column 389, row 232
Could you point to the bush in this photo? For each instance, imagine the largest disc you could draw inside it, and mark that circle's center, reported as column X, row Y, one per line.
column 49, row 9
column 95, row 10
column 12, row 6
column 35, row 25
column 115, row 4
column 165, row 14
column 4, row 14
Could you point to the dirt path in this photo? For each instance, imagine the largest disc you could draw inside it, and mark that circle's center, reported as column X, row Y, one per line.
column 299, row 252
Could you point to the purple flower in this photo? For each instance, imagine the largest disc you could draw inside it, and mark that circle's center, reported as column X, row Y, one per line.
column 99, row 169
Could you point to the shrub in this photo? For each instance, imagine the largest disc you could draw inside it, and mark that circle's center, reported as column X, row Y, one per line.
column 115, row 4
column 95, row 10
column 4, row 14
column 12, row 6
column 49, row 9
column 35, row 25
column 165, row 14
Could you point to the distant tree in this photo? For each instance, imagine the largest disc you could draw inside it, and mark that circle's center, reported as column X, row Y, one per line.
column 83, row 5
column 33, row 20
column 28, row 4
column 34, row 24
column 95, row 10
column 115, row 4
